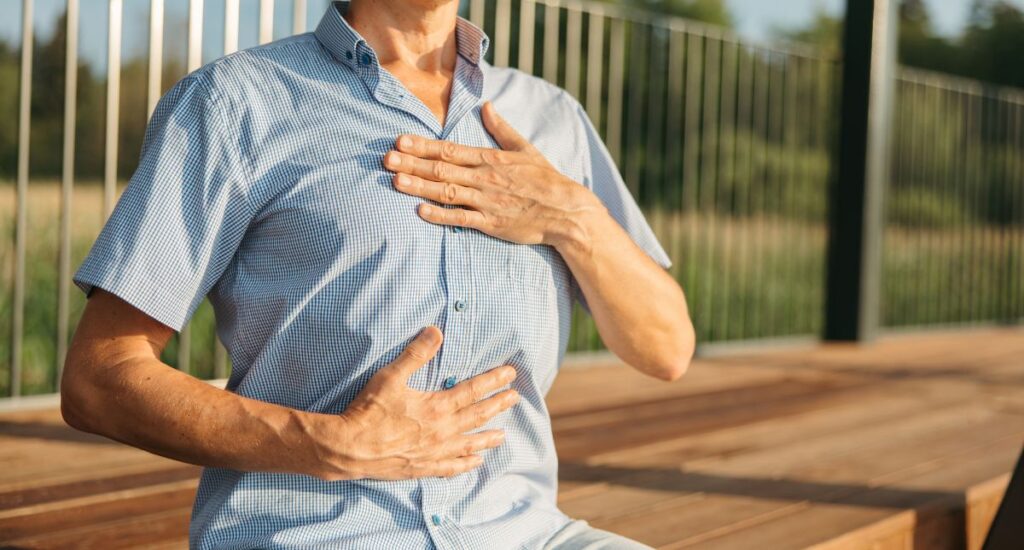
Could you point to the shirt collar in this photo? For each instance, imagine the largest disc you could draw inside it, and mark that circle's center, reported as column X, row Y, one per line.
column 348, row 47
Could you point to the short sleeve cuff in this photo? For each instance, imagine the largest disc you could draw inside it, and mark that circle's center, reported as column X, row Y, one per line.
column 144, row 293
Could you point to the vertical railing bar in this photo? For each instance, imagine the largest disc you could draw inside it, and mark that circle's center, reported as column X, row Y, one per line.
column 792, row 313
column 928, row 240
column 195, row 34
column 963, row 230
column 502, row 30
column 898, row 237
column 941, row 241
column 115, row 8
column 654, row 160
column 220, row 355
column 230, row 26
column 981, row 229
column 526, row 27
column 674, row 144
column 776, row 93
column 298, row 16
column 903, row 159
column 974, row 186
column 266, row 21
column 709, row 180
column 691, row 150
column 944, row 242
column 742, row 213
column 552, row 14
column 156, row 48
column 1017, row 184
column 616, row 85
column 595, row 61
column 476, row 12
column 634, row 117
column 1004, row 304
column 67, row 183
column 573, row 50
column 757, row 183
column 21, row 214
column 194, row 56
column 726, row 186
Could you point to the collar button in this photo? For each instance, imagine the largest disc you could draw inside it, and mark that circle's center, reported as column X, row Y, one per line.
column 364, row 59
column 348, row 54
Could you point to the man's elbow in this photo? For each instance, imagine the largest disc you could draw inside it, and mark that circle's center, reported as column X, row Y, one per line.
column 74, row 391
column 677, row 357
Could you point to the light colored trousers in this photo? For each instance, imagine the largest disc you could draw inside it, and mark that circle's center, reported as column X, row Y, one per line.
column 580, row 535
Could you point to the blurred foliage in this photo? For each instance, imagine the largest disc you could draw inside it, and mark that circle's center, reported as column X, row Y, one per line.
column 994, row 34
column 709, row 11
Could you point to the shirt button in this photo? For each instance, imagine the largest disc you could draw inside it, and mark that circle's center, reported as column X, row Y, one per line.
column 436, row 519
column 365, row 59
column 460, row 305
column 456, row 228
column 348, row 54
column 449, row 382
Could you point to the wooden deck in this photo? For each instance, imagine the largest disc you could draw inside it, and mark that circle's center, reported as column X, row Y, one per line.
column 907, row 443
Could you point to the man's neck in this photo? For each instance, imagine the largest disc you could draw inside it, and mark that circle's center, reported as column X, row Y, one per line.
column 417, row 34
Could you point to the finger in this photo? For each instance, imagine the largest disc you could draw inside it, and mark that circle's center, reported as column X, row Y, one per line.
column 434, row 170
column 473, row 389
column 473, row 443
column 503, row 132
column 448, row 151
column 417, row 353
column 444, row 192
column 446, row 467
column 481, row 412
column 453, row 216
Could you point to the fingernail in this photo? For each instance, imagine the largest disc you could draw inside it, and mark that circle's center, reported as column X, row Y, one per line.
column 402, row 180
column 510, row 373
column 405, row 142
column 426, row 209
column 431, row 336
column 393, row 159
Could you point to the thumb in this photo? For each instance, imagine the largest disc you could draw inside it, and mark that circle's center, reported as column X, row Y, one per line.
column 417, row 353
column 503, row 132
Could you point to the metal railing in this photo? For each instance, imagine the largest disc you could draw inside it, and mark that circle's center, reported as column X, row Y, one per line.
column 955, row 207
column 726, row 144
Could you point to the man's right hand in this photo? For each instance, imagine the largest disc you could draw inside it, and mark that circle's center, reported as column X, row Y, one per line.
column 391, row 431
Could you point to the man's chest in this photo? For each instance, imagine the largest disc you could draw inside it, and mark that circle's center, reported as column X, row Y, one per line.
column 331, row 228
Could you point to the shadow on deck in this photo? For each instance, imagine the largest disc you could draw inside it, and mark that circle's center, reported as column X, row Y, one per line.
column 907, row 443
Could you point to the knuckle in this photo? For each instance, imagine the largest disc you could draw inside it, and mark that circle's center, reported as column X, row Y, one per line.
column 448, row 150
column 417, row 352
column 439, row 170
column 451, row 192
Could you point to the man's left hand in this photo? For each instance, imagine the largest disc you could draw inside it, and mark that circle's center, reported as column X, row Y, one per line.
column 512, row 193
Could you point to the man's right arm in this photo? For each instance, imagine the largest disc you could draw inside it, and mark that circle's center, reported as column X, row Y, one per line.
column 115, row 385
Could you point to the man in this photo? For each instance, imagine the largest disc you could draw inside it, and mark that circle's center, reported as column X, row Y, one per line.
column 341, row 197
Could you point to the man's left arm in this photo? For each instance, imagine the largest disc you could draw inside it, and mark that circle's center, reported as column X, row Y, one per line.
column 515, row 194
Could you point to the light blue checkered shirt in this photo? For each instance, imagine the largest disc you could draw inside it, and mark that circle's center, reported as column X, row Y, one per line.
column 261, row 186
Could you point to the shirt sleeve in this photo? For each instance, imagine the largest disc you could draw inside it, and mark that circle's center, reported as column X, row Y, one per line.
column 179, row 220
column 602, row 177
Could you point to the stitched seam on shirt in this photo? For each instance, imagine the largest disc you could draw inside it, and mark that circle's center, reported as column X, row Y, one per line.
column 216, row 102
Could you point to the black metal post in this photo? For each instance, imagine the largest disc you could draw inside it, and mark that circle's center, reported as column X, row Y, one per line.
column 856, row 202
column 1007, row 529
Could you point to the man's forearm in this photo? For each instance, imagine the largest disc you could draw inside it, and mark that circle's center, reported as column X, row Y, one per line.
column 145, row 403
column 638, row 308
